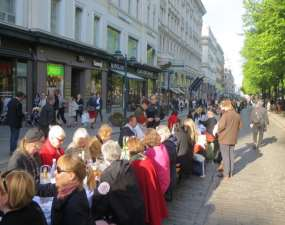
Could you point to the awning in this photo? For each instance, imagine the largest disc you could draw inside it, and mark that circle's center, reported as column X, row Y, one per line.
column 129, row 75
column 174, row 90
column 181, row 91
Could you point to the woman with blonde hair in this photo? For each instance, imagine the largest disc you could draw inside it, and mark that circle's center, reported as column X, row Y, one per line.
column 104, row 133
column 155, row 207
column 17, row 189
column 26, row 157
column 94, row 147
column 158, row 154
column 70, row 204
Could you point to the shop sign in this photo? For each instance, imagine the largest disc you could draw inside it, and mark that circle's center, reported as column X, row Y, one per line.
column 145, row 73
column 80, row 58
column 115, row 66
column 97, row 64
column 55, row 70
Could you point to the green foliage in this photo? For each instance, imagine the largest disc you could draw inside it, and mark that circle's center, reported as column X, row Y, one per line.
column 264, row 46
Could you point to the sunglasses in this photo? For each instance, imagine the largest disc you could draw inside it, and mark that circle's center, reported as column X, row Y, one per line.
column 3, row 178
column 59, row 170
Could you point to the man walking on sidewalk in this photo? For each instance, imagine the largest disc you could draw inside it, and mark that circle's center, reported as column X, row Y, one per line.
column 228, row 128
column 258, row 122
column 15, row 117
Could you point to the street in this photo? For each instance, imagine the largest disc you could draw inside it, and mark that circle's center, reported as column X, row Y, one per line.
column 254, row 196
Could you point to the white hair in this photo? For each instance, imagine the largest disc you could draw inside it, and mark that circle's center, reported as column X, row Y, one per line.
column 163, row 132
column 56, row 131
column 78, row 134
column 111, row 151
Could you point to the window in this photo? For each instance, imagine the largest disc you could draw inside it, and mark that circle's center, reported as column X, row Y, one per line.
column 7, row 11
column 113, row 39
column 129, row 6
column 54, row 16
column 78, row 23
column 96, row 29
column 153, row 18
column 150, row 55
column 132, row 47
column 137, row 8
column 148, row 15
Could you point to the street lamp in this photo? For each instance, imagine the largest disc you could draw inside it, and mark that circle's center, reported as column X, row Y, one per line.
column 124, row 58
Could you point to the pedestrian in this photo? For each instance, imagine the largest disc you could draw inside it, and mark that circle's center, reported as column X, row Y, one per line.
column 153, row 113
column 99, row 105
column 47, row 115
column 61, row 108
column 17, row 190
column 80, row 104
column 52, row 148
column 91, row 108
column 72, row 109
column 15, row 118
column 258, row 122
column 26, row 157
column 43, row 100
column 228, row 129
column 140, row 112
column 128, row 130
column 173, row 119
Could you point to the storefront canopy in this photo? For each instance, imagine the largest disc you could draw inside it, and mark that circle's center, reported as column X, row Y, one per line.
column 129, row 75
column 174, row 90
column 181, row 91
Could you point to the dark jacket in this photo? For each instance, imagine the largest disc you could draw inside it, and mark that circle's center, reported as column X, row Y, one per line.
column 209, row 124
column 29, row 215
column 125, row 132
column 123, row 204
column 100, row 105
column 22, row 161
column 72, row 210
column 15, row 114
column 47, row 116
column 153, row 111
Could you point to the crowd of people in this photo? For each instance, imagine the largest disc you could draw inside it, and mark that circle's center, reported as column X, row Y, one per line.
column 98, row 180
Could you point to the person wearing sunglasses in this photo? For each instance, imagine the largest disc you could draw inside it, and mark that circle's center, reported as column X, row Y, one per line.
column 17, row 189
column 52, row 149
column 70, row 205
column 26, row 157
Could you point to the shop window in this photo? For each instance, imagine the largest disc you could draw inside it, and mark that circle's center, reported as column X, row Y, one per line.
column 6, row 78
column 150, row 87
column 115, row 91
column 113, row 40
column 78, row 23
column 135, row 94
column 55, row 76
column 8, row 11
column 96, row 81
column 132, row 47
column 96, row 30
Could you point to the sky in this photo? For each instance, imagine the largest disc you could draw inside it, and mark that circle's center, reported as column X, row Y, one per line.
column 225, row 19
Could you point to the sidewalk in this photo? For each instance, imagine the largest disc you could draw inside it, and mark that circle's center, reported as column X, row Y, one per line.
column 5, row 135
column 280, row 118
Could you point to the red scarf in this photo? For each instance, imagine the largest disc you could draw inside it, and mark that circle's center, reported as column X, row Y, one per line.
column 67, row 189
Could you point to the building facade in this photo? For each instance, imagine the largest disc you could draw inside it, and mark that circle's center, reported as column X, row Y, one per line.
column 69, row 45
column 229, row 82
column 180, row 25
column 212, row 63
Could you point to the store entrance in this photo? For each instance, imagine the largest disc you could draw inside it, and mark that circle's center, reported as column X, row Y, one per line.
column 76, row 82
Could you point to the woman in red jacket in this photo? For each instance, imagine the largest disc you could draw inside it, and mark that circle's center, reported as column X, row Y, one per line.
column 173, row 119
column 155, row 206
column 52, row 149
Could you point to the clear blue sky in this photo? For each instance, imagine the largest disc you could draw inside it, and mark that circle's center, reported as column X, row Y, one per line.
column 225, row 19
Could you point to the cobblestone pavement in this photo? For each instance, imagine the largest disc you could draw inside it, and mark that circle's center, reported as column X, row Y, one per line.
column 254, row 196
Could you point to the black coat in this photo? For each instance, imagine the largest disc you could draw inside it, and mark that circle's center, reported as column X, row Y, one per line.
column 125, row 132
column 15, row 114
column 29, row 215
column 123, row 204
column 153, row 111
column 47, row 116
column 72, row 210
column 210, row 124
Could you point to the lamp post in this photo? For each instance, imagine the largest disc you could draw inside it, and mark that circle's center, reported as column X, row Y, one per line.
column 124, row 58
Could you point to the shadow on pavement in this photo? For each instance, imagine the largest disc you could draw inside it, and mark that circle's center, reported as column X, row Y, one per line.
column 268, row 141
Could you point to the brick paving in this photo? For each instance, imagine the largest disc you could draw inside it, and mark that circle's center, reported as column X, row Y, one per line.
column 254, row 196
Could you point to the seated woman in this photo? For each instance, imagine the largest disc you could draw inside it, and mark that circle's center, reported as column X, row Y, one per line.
column 155, row 206
column 117, row 198
column 159, row 156
column 70, row 204
column 79, row 144
column 17, row 189
column 52, row 149
column 26, row 157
